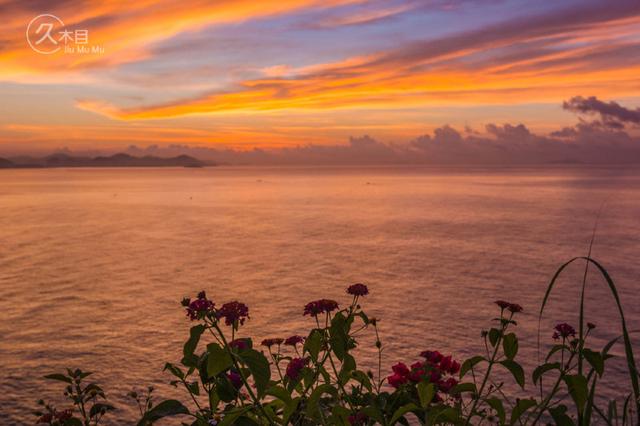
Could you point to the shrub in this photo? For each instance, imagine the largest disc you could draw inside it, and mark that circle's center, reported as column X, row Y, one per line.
column 315, row 379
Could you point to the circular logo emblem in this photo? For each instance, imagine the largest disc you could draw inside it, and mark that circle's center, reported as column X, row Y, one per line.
column 42, row 33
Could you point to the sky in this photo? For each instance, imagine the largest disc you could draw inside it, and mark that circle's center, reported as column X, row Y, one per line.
column 331, row 80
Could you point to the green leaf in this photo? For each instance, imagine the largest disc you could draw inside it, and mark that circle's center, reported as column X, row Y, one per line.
column 426, row 392
column 167, row 408
column 231, row 416
column 494, row 335
column 541, row 369
column 522, row 405
column 218, row 360
column 348, row 365
column 595, row 359
column 313, row 404
column 468, row 364
column 100, row 408
column 510, row 345
column 59, row 377
column 313, row 344
column 578, row 389
column 259, row 367
column 189, row 359
column 280, row 393
column 559, row 415
column 400, row 412
column 464, row 387
column 555, row 349
column 515, row 369
column 338, row 336
column 175, row 370
column 362, row 378
column 497, row 406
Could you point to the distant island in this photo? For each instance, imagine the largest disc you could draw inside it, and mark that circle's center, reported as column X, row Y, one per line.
column 116, row 160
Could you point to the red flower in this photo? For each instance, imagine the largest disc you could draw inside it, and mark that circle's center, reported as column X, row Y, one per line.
column 401, row 368
column 591, row 325
column 239, row 344
column 396, row 380
column 358, row 419
column 198, row 308
column 45, row 418
column 295, row 367
column 358, row 290
column 320, row 306
column 446, row 385
column 564, row 330
column 512, row 307
column 433, row 357
column 294, row 340
column 64, row 415
column 271, row 342
column 235, row 379
column 234, row 313
column 417, row 372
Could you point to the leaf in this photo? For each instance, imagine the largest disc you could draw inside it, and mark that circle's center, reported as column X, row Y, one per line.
column 99, row 408
column 515, row 369
column 348, row 365
column 280, row 393
column 338, row 336
column 313, row 344
column 541, row 369
column 59, row 377
column 176, row 371
column 313, row 404
column 522, row 405
column 426, row 392
column 218, row 360
column 595, row 359
column 510, row 345
column 497, row 406
column 400, row 412
column 464, row 387
column 468, row 364
column 167, row 408
column 555, row 349
column 494, row 335
column 259, row 367
column 189, row 359
column 231, row 416
column 559, row 415
column 578, row 389
column 362, row 378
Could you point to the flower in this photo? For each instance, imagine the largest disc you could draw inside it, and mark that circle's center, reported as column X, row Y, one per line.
column 417, row 372
column 295, row 367
column 239, row 344
column 234, row 313
column 64, row 415
column 564, row 330
column 45, row 418
column 591, row 325
column 433, row 357
column 271, row 342
column 320, row 306
column 358, row 419
column 294, row 340
column 235, row 379
column 197, row 309
column 512, row 307
column 358, row 290
column 401, row 368
column 396, row 380
column 446, row 385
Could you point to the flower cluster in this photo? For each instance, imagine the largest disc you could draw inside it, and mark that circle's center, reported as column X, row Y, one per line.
column 564, row 330
column 240, row 344
column 59, row 416
column 294, row 340
column 511, row 307
column 318, row 307
column 434, row 370
column 295, row 368
column 358, row 419
column 235, row 379
column 272, row 342
column 234, row 313
column 358, row 290
column 197, row 309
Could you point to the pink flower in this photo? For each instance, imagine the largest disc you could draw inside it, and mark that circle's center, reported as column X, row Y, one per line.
column 512, row 307
column 294, row 340
column 271, row 342
column 234, row 313
column 295, row 367
column 358, row 290
column 320, row 306
column 564, row 330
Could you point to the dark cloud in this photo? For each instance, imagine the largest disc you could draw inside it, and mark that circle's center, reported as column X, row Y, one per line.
column 611, row 114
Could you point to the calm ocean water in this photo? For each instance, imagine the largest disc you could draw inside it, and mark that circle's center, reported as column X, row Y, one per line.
column 94, row 262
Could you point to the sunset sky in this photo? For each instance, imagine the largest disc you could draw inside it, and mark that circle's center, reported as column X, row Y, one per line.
column 284, row 73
